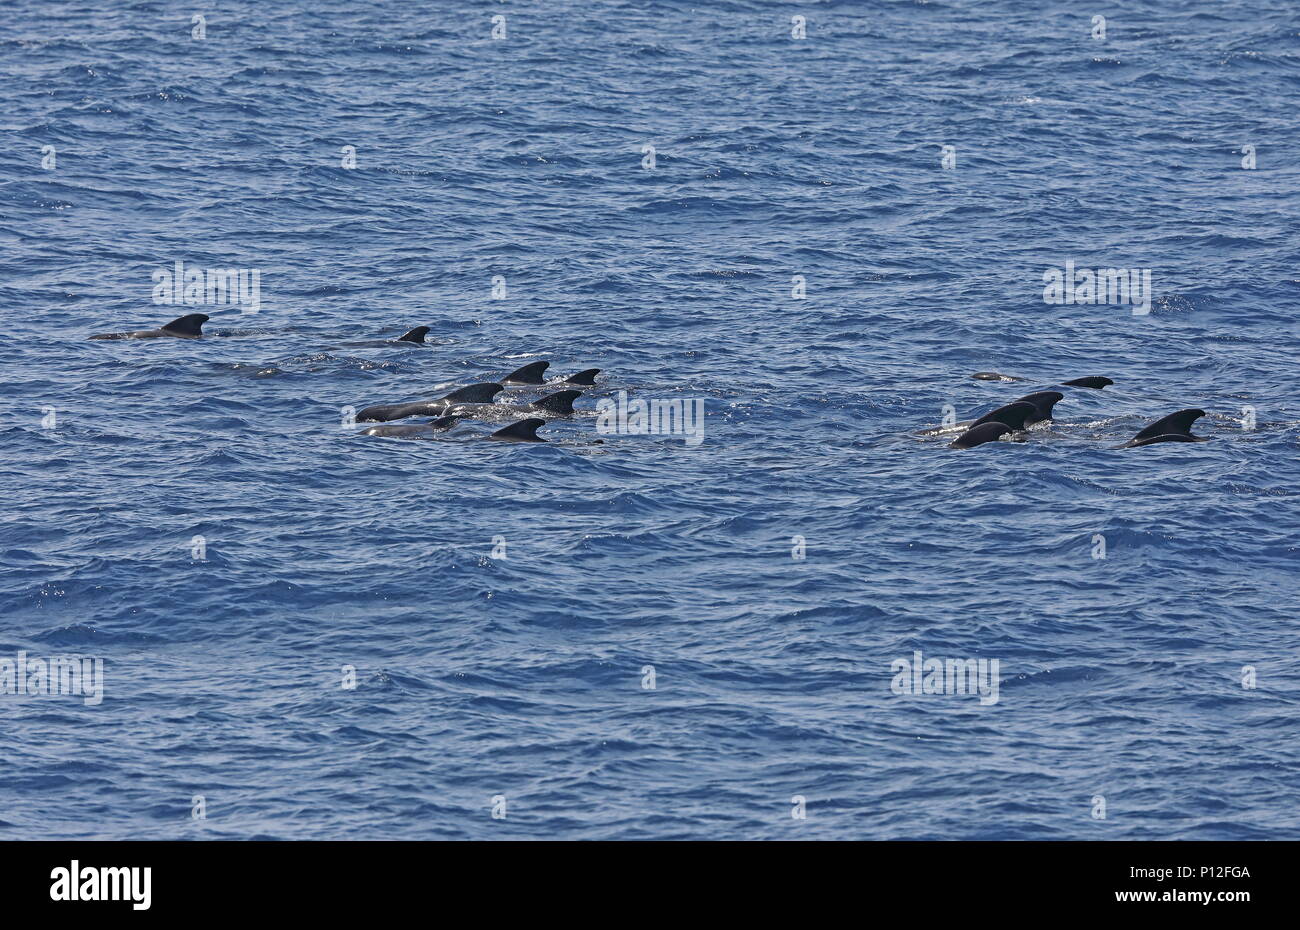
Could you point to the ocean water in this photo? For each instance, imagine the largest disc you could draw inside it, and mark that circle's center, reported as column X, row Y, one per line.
column 651, row 658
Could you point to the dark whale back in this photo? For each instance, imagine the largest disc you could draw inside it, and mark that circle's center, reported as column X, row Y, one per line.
column 414, row 335
column 529, row 374
column 1174, row 428
column 523, row 431
column 585, row 378
column 978, row 435
column 414, row 430
column 560, row 403
column 1013, row 415
column 473, row 394
column 190, row 325
column 481, row 393
column 1043, row 402
column 1092, row 381
column 382, row 413
column 446, row 422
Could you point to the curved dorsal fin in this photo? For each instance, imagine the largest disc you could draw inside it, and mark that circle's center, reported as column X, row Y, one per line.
column 529, row 374
column 1176, row 424
column 414, row 335
column 481, row 393
column 1092, row 381
column 1013, row 415
column 585, row 378
column 1043, row 402
column 189, row 325
column 560, row 403
column 523, row 431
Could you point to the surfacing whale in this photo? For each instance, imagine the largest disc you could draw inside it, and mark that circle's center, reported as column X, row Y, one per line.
column 1019, row 415
column 1041, row 401
column 1174, row 428
column 1006, row 419
column 189, row 326
column 1015, row 415
column 533, row 375
column 559, row 404
column 523, row 431
column 585, row 378
column 473, row 394
column 529, row 374
column 1096, row 382
column 414, row 335
column 428, row 430
column 978, row 435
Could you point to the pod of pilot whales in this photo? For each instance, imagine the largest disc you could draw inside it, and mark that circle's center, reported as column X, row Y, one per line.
column 478, row 402
column 1013, row 420
column 472, row 402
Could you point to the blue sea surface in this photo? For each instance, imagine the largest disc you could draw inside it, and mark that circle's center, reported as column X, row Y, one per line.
column 646, row 189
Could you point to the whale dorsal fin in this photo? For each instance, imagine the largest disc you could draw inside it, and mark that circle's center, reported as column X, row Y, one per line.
column 446, row 422
column 1092, row 381
column 1176, row 424
column 189, row 325
column 414, row 335
column 523, row 431
column 1013, row 415
column 529, row 374
column 559, row 403
column 1043, row 402
column 585, row 378
column 481, row 393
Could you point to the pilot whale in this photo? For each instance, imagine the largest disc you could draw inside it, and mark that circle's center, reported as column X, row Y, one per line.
column 1174, row 428
column 585, row 378
column 473, row 394
column 1095, row 382
column 1019, row 415
column 413, row 335
column 532, row 375
column 529, row 374
column 416, row 430
column 559, row 404
column 523, row 431
column 978, row 435
column 189, row 326
column 995, row 424
column 1015, row 416
column 1040, row 402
